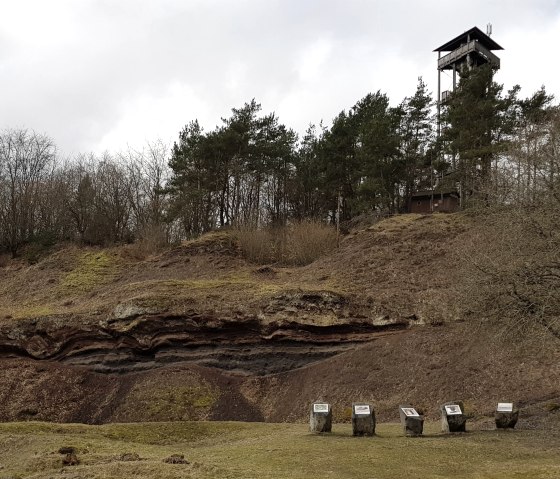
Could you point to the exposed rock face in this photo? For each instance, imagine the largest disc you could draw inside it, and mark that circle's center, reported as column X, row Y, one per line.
column 131, row 340
column 320, row 417
column 363, row 419
column 453, row 417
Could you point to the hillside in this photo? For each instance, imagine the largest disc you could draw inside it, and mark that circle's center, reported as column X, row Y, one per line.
column 197, row 332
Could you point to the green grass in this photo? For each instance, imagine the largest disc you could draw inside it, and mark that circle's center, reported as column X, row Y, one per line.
column 266, row 451
column 92, row 269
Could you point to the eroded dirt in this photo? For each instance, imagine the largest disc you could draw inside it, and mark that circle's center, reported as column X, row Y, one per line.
column 196, row 332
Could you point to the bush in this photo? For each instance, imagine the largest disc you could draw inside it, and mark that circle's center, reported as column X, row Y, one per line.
column 510, row 269
column 308, row 241
column 296, row 244
column 152, row 240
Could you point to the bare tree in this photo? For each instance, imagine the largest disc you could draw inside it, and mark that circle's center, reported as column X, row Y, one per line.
column 26, row 160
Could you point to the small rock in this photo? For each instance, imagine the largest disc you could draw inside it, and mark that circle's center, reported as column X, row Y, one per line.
column 176, row 459
column 70, row 460
column 266, row 270
column 129, row 456
column 67, row 450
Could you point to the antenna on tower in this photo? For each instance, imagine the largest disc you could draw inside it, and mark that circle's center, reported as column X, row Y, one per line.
column 489, row 29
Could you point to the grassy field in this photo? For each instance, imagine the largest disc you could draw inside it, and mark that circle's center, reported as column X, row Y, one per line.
column 256, row 450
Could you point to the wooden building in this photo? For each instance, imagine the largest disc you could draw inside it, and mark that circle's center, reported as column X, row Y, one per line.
column 426, row 202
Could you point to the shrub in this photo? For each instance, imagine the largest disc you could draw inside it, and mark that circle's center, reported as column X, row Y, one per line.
column 152, row 240
column 295, row 244
column 510, row 269
column 308, row 241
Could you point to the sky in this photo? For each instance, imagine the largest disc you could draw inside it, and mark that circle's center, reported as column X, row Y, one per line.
column 105, row 75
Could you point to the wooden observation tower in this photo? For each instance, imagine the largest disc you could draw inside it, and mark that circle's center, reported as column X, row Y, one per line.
column 468, row 50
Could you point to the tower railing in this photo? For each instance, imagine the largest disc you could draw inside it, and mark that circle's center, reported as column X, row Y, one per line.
column 472, row 46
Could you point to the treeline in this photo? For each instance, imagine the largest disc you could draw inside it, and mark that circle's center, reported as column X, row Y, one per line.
column 252, row 171
column 91, row 200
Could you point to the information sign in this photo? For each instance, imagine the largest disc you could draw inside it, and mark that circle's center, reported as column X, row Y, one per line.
column 453, row 410
column 410, row 412
column 362, row 409
column 320, row 408
column 505, row 407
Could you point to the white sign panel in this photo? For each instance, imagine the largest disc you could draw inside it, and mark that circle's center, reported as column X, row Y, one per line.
column 410, row 412
column 505, row 407
column 452, row 410
column 361, row 409
column 320, row 408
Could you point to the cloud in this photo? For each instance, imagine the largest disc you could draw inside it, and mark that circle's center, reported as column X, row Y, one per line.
column 99, row 74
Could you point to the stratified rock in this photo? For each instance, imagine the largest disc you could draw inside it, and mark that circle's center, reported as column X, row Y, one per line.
column 363, row 419
column 411, row 420
column 320, row 417
column 453, row 417
column 132, row 310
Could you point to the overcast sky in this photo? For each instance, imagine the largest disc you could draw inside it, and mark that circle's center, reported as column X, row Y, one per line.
column 103, row 74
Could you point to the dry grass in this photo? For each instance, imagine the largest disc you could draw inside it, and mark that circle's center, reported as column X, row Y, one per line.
column 297, row 244
column 267, row 451
column 152, row 240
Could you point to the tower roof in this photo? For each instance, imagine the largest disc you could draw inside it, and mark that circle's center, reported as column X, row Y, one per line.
column 474, row 34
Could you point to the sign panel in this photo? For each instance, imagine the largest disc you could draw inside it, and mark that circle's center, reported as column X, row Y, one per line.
column 320, row 408
column 453, row 409
column 410, row 412
column 364, row 409
column 505, row 407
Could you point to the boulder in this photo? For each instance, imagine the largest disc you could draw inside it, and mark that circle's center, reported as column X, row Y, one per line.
column 411, row 420
column 506, row 416
column 320, row 417
column 453, row 417
column 363, row 419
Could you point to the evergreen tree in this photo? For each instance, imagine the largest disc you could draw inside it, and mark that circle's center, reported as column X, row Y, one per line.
column 475, row 131
column 416, row 141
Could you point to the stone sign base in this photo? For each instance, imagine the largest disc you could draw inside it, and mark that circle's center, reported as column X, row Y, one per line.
column 506, row 420
column 453, row 419
column 320, row 418
column 412, row 422
column 363, row 420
